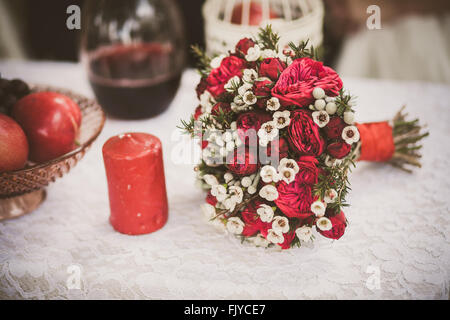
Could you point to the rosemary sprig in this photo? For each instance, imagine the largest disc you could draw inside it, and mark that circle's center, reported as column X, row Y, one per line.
column 303, row 51
column 188, row 127
column 336, row 177
column 342, row 102
column 268, row 38
column 203, row 61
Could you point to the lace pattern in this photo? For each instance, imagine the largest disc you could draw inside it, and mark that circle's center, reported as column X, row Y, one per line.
column 399, row 228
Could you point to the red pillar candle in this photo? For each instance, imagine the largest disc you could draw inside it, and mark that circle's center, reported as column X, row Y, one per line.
column 136, row 183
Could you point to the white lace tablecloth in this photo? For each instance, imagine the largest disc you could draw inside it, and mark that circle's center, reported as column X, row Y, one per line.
column 399, row 230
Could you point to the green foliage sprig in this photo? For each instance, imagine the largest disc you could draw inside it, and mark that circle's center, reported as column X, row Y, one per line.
column 303, row 50
column 268, row 39
column 203, row 61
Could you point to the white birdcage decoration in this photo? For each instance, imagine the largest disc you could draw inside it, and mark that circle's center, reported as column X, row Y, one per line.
column 228, row 21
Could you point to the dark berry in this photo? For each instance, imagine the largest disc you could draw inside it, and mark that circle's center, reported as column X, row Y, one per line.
column 19, row 87
column 4, row 84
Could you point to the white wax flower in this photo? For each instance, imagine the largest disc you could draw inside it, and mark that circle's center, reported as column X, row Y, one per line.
column 249, row 75
column 321, row 118
column 324, row 224
column 249, row 98
column 275, row 236
column 269, row 174
column 350, row 134
column 233, row 126
column 288, row 163
column 229, row 204
column 318, row 93
column 260, row 241
column 320, row 104
column 210, row 179
column 232, row 84
column 269, row 53
column 265, row 212
column 217, row 61
column 253, row 53
column 219, row 141
column 280, row 224
column 228, row 177
column 268, row 131
column 330, row 196
column 238, row 99
column 246, row 182
column 235, row 225
column 251, row 190
column 349, row 117
column 236, row 193
column 281, row 119
column 273, row 104
column 287, row 175
column 223, row 151
column 208, row 211
column 206, row 101
column 268, row 192
column 230, row 145
column 242, row 90
column 331, row 162
column 318, row 208
column 304, row 233
column 219, row 191
column 206, row 153
column 227, row 136
column 263, row 142
column 218, row 223
column 331, row 108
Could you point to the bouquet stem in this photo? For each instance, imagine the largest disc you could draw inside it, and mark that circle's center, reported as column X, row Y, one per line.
column 396, row 142
column 407, row 140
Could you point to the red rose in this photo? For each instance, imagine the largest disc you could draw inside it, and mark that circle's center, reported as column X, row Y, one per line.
column 201, row 87
column 262, row 89
column 230, row 67
column 271, row 68
column 309, row 172
column 339, row 223
column 304, row 134
column 243, row 45
column 339, row 149
column 225, row 107
column 295, row 198
column 243, row 161
column 296, row 82
column 198, row 112
column 334, row 128
column 211, row 199
column 253, row 223
column 280, row 147
column 250, row 121
column 288, row 237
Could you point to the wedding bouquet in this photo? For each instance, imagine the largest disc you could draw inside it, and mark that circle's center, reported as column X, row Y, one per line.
column 279, row 138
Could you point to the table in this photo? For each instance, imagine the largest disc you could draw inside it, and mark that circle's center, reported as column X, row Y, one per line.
column 396, row 246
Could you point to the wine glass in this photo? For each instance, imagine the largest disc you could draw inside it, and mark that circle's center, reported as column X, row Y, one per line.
column 134, row 52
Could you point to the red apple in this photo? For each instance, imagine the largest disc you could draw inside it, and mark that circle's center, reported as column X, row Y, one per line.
column 51, row 122
column 255, row 14
column 13, row 145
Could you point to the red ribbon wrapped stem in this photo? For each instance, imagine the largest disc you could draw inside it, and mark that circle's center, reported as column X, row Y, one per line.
column 377, row 141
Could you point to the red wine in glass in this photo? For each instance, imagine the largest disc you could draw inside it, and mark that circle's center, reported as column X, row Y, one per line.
column 135, row 81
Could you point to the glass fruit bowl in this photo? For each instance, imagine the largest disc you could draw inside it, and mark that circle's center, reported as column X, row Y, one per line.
column 22, row 191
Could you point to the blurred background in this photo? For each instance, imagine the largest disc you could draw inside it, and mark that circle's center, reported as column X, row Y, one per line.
column 412, row 44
